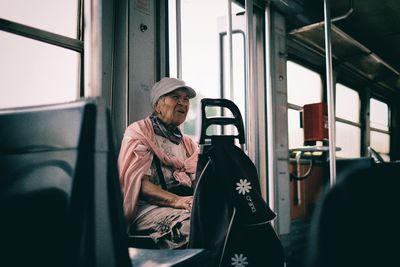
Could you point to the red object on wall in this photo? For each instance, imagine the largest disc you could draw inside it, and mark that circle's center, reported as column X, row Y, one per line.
column 315, row 122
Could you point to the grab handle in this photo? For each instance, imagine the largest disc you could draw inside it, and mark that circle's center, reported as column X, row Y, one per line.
column 236, row 120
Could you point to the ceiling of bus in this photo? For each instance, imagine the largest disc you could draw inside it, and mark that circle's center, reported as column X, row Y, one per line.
column 367, row 40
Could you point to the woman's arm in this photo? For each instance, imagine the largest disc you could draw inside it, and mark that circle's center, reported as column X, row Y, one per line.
column 155, row 195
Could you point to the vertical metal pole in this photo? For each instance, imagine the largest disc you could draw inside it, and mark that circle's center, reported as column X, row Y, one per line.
column 230, row 50
column 329, row 87
column 298, row 183
column 127, row 43
column 178, row 40
column 250, row 72
column 88, row 38
column 272, row 188
column 126, row 60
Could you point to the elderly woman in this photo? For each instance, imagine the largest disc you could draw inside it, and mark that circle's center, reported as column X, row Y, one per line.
column 157, row 165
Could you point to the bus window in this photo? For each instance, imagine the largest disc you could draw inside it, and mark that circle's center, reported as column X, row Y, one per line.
column 379, row 115
column 36, row 67
column 199, row 63
column 35, row 73
column 303, row 87
column 379, row 125
column 348, row 129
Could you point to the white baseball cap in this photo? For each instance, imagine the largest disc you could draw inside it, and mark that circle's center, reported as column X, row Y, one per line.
column 167, row 85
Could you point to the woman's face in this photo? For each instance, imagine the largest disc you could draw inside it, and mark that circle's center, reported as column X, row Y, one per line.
column 172, row 108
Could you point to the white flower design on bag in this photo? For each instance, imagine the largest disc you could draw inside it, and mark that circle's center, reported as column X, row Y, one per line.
column 243, row 186
column 239, row 260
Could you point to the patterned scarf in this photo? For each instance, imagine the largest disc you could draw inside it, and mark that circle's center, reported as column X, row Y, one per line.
column 161, row 129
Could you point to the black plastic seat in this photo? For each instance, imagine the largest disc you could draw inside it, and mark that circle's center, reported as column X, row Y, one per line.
column 42, row 158
column 345, row 166
column 356, row 223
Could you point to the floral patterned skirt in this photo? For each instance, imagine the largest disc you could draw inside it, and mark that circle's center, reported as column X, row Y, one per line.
column 168, row 227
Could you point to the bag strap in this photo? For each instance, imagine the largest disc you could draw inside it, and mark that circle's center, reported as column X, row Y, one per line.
column 159, row 172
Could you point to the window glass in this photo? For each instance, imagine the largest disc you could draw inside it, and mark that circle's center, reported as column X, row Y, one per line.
column 379, row 115
column 347, row 103
column 201, row 51
column 236, row 92
column 173, row 68
column 380, row 142
column 59, row 16
column 303, row 85
column 296, row 135
column 348, row 138
column 34, row 73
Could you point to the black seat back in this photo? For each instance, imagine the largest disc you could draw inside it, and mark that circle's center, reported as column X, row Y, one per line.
column 356, row 223
column 40, row 156
column 345, row 166
column 50, row 201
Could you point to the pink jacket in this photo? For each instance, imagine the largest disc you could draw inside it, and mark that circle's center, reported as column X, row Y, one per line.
column 136, row 155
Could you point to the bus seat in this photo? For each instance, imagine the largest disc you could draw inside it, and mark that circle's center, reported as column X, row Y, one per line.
column 356, row 223
column 60, row 198
column 42, row 154
column 345, row 166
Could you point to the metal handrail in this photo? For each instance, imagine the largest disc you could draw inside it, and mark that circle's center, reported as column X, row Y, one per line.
column 330, row 95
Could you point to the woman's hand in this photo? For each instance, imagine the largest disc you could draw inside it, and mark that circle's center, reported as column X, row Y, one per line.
column 183, row 203
column 154, row 194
